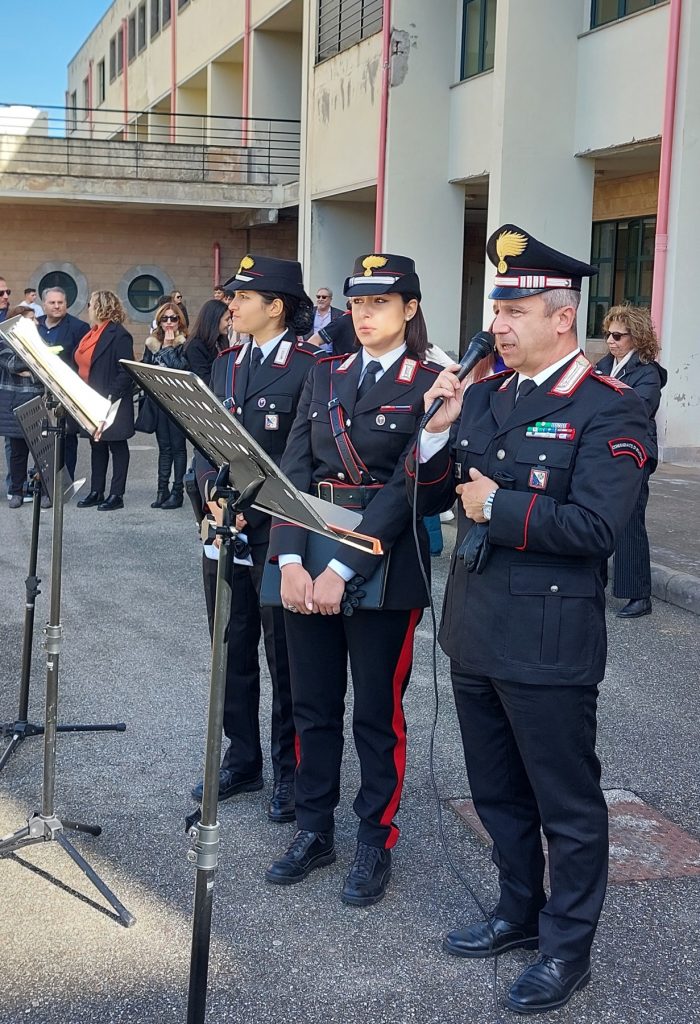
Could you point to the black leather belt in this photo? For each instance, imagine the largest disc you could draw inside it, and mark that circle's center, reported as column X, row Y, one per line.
column 347, row 495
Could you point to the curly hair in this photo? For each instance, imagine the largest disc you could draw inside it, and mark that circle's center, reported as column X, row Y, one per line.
column 107, row 306
column 159, row 331
column 637, row 320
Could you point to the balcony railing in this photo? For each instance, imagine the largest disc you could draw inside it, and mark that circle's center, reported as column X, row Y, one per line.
column 148, row 146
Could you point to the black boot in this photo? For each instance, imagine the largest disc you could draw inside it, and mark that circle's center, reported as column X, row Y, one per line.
column 161, row 497
column 175, row 499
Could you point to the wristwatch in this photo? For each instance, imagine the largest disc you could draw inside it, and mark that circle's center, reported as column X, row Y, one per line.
column 488, row 506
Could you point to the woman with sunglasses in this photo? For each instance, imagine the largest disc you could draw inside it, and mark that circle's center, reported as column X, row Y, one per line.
column 356, row 423
column 633, row 350
column 166, row 347
column 177, row 298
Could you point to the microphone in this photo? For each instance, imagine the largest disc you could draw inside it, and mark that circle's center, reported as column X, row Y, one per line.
column 481, row 345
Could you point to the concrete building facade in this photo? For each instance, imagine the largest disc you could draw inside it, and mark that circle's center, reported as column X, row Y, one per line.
column 332, row 127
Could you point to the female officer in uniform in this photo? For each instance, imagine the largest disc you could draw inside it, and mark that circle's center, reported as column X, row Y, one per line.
column 355, row 424
column 261, row 382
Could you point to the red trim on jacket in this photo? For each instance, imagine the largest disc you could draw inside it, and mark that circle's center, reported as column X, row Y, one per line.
column 527, row 523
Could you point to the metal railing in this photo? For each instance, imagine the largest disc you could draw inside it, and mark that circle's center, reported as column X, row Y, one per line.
column 148, row 145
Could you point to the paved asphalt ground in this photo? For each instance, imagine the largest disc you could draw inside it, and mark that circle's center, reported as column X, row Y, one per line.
column 136, row 649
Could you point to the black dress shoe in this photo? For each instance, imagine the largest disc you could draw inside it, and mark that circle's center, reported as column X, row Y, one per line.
column 281, row 806
column 114, row 501
column 230, row 783
column 161, row 497
column 635, row 608
column 368, row 878
column 479, row 940
column 548, row 984
column 93, row 498
column 174, row 501
column 307, row 851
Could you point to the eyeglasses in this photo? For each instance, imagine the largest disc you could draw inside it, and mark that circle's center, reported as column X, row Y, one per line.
column 616, row 335
column 5, row 291
column 170, row 319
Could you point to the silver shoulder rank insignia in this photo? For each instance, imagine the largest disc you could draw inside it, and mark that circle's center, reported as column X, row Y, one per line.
column 572, row 376
column 345, row 366
column 407, row 371
column 282, row 354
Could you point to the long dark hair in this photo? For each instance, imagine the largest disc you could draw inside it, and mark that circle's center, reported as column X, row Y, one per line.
column 206, row 326
column 297, row 313
column 416, row 332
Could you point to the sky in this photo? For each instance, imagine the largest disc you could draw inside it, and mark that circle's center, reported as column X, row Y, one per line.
column 38, row 39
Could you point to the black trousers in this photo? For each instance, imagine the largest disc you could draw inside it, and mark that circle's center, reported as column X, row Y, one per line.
column 99, row 458
column 380, row 646
column 632, row 575
column 242, row 702
column 172, row 453
column 531, row 762
column 71, row 454
column 19, row 464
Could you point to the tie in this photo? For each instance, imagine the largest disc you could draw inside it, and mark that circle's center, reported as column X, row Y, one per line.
column 255, row 361
column 524, row 388
column 370, row 378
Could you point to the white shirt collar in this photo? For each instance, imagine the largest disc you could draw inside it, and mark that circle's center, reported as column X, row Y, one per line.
column 543, row 375
column 618, row 366
column 270, row 345
column 387, row 360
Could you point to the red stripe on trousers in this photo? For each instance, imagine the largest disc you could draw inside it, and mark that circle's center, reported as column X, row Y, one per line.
column 398, row 724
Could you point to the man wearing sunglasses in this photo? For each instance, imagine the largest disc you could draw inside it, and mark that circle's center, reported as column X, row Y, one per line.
column 5, row 294
column 324, row 312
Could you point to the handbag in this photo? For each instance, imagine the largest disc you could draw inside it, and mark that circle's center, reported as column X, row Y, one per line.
column 147, row 416
column 365, row 594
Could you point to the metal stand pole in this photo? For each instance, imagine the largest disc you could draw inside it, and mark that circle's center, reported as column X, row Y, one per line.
column 204, row 828
column 46, row 826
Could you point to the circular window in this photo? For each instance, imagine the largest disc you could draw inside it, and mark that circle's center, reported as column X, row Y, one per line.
column 59, row 279
column 145, row 293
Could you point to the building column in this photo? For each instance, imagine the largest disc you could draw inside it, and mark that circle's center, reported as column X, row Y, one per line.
column 679, row 417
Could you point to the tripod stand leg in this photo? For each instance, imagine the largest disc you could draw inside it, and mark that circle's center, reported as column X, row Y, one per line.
column 114, row 727
column 10, row 749
column 125, row 917
column 78, row 826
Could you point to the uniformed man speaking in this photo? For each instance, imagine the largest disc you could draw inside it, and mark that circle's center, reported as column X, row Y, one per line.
column 546, row 459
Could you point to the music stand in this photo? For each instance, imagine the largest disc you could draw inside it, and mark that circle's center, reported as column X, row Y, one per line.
column 65, row 390
column 32, row 419
column 247, row 478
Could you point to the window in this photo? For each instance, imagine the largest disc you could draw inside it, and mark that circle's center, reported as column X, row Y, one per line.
column 166, row 12
column 131, row 37
column 605, row 11
column 623, row 251
column 141, row 28
column 72, row 112
column 101, row 84
column 112, row 58
column 145, row 293
column 342, row 23
column 155, row 17
column 478, row 37
column 120, row 52
column 60, row 279
column 86, row 96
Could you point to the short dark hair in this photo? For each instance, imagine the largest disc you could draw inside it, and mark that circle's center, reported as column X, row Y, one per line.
column 28, row 290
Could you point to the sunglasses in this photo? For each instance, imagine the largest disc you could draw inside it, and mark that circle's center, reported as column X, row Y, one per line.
column 5, row 291
column 169, row 319
column 323, row 296
column 616, row 335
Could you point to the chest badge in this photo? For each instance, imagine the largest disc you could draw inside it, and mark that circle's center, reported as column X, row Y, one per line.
column 380, row 420
column 262, row 402
column 552, row 431
column 272, row 421
column 538, row 479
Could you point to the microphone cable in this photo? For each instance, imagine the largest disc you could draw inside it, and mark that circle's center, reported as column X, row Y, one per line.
column 454, row 867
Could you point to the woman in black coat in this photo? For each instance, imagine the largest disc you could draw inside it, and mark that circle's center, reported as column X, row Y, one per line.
column 208, row 338
column 634, row 347
column 97, row 361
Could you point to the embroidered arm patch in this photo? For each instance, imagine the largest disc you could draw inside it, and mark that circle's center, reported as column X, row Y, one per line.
column 628, row 446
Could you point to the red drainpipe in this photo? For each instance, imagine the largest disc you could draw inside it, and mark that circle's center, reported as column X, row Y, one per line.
column 245, row 98
column 173, row 68
column 125, row 74
column 383, row 123
column 661, row 247
column 216, row 262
